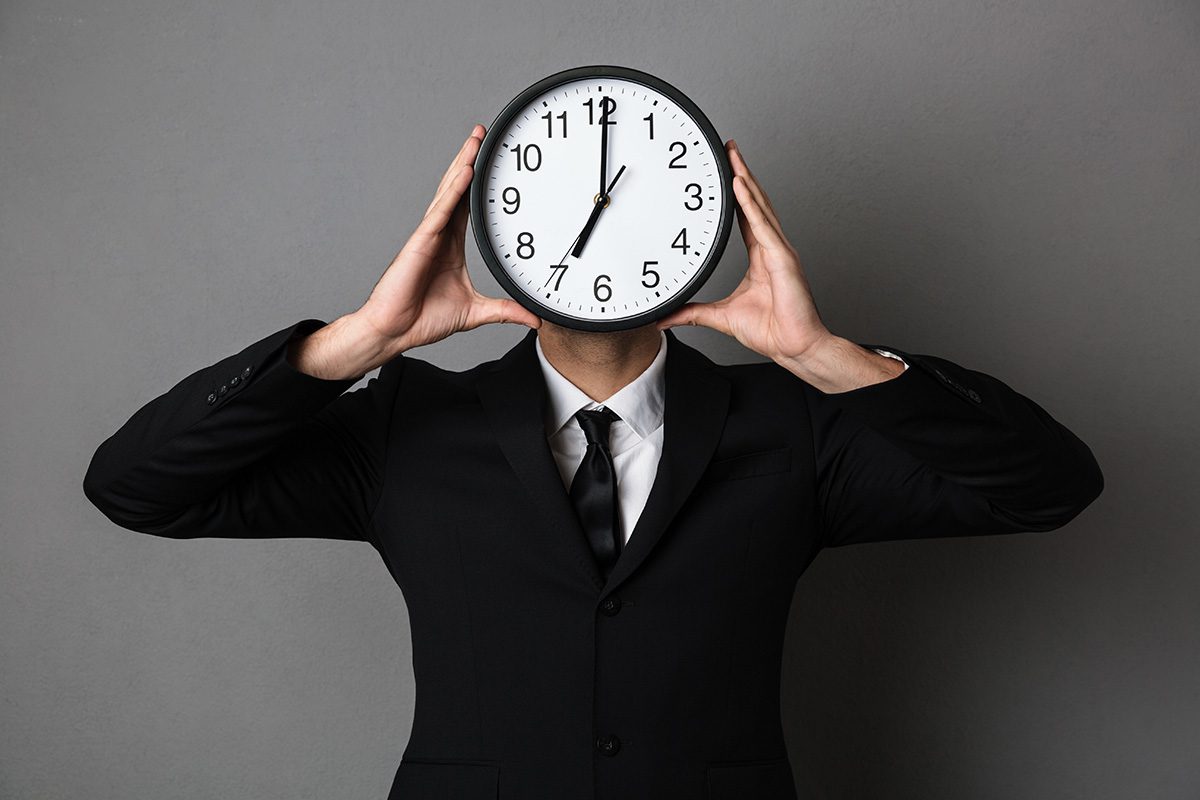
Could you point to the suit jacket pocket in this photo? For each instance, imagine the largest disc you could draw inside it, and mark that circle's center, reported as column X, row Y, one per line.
column 764, row 779
column 438, row 780
column 748, row 465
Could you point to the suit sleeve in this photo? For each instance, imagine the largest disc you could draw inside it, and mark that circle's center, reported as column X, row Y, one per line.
column 250, row 447
column 943, row 450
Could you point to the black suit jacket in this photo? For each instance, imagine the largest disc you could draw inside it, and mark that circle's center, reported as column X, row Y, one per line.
column 536, row 678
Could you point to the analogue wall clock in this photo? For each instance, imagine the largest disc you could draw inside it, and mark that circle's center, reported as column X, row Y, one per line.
column 601, row 198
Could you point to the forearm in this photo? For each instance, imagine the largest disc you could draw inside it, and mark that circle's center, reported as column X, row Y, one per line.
column 840, row 365
column 345, row 349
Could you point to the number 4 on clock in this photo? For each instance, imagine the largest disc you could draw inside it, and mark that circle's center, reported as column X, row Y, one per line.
column 680, row 242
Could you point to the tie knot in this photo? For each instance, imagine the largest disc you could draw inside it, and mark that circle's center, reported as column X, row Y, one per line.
column 595, row 424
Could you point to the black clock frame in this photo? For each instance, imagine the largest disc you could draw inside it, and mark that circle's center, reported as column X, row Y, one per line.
column 492, row 139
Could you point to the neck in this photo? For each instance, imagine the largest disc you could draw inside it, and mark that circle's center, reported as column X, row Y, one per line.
column 599, row 363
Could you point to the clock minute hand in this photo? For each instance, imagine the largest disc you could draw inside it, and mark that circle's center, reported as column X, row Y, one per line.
column 602, row 201
column 603, row 143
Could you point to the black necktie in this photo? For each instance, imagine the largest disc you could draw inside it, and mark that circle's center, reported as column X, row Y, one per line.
column 594, row 489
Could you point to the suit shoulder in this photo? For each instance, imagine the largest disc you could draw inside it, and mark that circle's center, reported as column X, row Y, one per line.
column 767, row 403
column 424, row 379
column 761, row 375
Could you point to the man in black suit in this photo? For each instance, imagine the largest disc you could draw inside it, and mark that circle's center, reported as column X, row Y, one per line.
column 597, row 535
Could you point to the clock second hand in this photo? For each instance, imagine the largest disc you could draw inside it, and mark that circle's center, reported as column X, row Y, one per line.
column 590, row 224
column 601, row 204
column 587, row 229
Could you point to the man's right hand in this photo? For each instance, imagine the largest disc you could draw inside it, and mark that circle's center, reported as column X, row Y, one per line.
column 424, row 295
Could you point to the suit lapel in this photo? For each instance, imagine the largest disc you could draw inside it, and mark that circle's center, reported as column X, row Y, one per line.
column 696, row 400
column 513, row 395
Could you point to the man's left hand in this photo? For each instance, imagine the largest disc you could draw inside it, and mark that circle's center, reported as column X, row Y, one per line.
column 772, row 311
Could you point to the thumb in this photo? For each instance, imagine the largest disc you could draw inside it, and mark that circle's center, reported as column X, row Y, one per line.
column 497, row 309
column 706, row 314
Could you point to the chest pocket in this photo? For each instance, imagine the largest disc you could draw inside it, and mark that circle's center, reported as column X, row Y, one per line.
column 750, row 465
column 769, row 779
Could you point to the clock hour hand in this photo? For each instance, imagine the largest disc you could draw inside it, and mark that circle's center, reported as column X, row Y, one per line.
column 602, row 201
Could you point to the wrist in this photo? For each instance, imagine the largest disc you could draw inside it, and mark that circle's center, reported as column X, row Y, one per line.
column 835, row 364
column 347, row 348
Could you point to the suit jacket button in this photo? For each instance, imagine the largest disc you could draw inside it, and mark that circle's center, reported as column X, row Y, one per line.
column 246, row 372
column 974, row 395
column 224, row 388
column 611, row 605
column 212, row 398
column 235, row 380
column 608, row 745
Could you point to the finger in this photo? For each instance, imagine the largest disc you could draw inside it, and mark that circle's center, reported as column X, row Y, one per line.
column 458, row 219
column 443, row 207
column 741, row 168
column 462, row 210
column 709, row 315
column 762, row 230
column 462, row 156
column 466, row 154
column 497, row 309
column 455, row 165
column 744, row 227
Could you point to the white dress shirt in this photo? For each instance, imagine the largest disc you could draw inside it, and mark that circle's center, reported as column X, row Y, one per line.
column 635, row 440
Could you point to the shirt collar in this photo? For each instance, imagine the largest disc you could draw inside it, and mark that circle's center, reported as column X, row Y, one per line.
column 639, row 402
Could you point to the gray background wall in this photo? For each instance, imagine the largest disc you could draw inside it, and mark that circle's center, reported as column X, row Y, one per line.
column 1014, row 186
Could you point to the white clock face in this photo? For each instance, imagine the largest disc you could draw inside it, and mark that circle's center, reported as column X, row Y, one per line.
column 652, row 239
